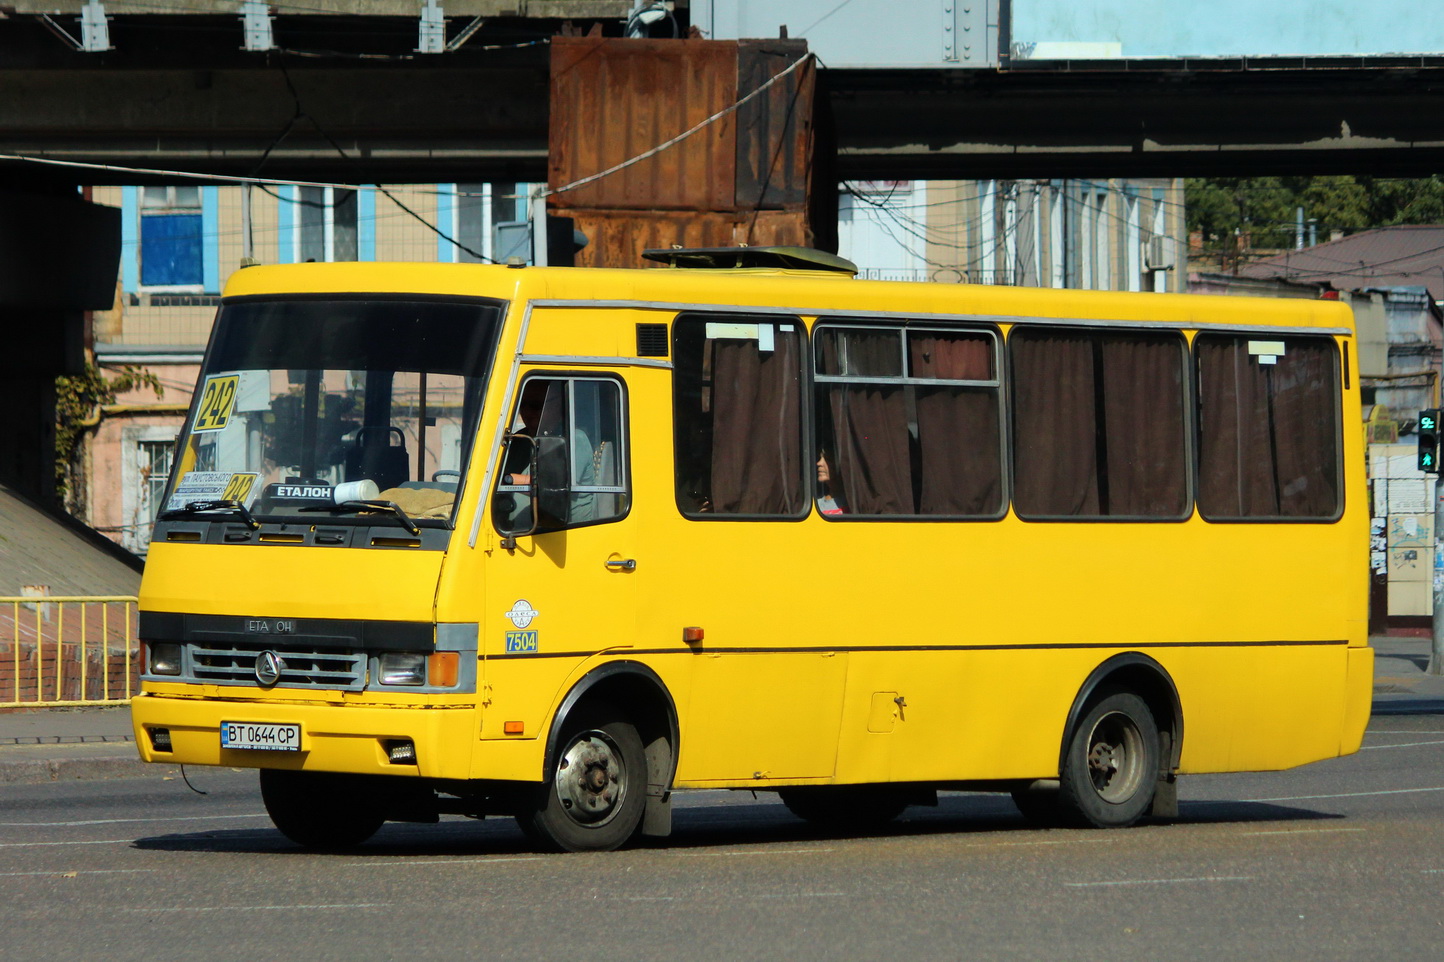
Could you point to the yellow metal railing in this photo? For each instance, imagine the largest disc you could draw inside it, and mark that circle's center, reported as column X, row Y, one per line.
column 68, row 650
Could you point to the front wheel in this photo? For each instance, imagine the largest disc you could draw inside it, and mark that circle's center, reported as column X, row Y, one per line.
column 594, row 799
column 1110, row 769
column 321, row 810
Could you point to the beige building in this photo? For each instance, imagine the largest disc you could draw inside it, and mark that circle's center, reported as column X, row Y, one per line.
column 1101, row 234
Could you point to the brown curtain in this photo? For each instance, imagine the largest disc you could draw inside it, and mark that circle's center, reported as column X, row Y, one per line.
column 960, row 459
column 757, row 428
column 1268, row 444
column 1144, row 426
column 869, row 422
column 1056, row 449
column 1305, row 407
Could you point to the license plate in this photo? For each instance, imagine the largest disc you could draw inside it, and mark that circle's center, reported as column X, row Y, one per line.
column 254, row 736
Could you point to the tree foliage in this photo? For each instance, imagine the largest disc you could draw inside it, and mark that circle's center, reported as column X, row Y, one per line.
column 78, row 400
column 1265, row 209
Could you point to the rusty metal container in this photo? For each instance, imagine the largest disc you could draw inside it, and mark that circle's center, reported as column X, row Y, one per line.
column 617, row 238
column 746, row 176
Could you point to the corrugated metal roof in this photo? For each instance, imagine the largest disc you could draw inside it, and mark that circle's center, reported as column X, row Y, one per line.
column 1405, row 256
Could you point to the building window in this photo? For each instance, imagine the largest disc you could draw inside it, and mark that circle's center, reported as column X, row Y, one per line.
column 171, row 238
column 153, row 461
column 486, row 223
column 325, row 224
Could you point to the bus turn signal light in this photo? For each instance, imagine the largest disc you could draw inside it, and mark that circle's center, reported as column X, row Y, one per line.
column 441, row 669
column 514, row 727
column 692, row 635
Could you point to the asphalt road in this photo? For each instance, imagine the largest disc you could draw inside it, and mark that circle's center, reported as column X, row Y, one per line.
column 1340, row 860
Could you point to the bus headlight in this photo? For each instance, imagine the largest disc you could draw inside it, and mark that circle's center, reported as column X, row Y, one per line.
column 165, row 659
column 403, row 668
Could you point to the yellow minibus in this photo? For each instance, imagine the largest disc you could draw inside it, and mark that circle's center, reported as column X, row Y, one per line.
column 555, row 543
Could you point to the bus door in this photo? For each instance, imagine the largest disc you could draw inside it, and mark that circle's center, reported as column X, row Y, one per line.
column 561, row 586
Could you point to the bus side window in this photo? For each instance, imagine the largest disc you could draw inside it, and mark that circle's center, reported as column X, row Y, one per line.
column 908, row 421
column 1100, row 424
column 737, row 400
column 1268, row 427
column 572, row 431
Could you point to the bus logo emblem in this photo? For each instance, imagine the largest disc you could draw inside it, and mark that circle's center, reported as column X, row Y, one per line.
column 268, row 668
column 522, row 613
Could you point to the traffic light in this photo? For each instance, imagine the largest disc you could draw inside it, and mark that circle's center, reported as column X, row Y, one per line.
column 1429, row 441
column 563, row 241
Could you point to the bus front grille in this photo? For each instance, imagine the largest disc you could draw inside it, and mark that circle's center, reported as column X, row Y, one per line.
column 225, row 664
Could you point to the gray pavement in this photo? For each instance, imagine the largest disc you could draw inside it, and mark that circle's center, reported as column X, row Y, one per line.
column 58, row 744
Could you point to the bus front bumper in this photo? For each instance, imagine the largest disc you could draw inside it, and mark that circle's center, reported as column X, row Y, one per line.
column 360, row 739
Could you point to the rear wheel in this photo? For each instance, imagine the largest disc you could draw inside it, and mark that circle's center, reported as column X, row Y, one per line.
column 846, row 807
column 1110, row 769
column 321, row 810
column 595, row 797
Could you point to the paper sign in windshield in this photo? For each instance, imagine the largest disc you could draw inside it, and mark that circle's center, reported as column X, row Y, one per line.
column 218, row 399
column 213, row 486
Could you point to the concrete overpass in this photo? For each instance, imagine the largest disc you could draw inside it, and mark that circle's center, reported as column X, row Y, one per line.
column 349, row 99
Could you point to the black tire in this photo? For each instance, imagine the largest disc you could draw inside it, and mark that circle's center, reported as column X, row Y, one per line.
column 848, row 808
column 597, row 790
column 1110, row 769
column 1040, row 806
column 321, row 810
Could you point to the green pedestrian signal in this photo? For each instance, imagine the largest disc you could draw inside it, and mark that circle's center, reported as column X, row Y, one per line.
column 1429, row 440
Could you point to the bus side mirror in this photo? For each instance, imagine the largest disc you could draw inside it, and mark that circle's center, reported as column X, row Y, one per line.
column 514, row 506
column 552, row 491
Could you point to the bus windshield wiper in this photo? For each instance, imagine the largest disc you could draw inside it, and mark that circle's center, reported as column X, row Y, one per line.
column 199, row 507
column 390, row 506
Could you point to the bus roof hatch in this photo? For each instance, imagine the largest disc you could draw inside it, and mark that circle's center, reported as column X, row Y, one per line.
column 731, row 258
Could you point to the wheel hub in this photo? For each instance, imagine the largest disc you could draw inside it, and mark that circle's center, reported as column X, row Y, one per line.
column 591, row 779
column 1115, row 750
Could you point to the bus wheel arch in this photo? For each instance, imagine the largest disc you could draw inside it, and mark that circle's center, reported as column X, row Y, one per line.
column 630, row 695
column 1130, row 675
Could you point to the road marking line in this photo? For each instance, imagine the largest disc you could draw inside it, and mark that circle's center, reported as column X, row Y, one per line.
column 107, row 841
column 776, row 895
column 1307, row 798
column 1304, row 831
column 83, row 871
column 117, row 821
column 385, row 863
column 265, row 908
column 1061, row 841
column 1368, row 748
column 780, row 851
column 1163, row 881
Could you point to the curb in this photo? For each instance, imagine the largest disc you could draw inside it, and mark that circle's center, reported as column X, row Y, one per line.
column 58, row 767
column 34, row 771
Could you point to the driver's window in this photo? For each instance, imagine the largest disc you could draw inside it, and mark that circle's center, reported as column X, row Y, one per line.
column 566, row 449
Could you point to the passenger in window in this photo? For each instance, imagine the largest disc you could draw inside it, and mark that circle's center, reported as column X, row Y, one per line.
column 829, row 494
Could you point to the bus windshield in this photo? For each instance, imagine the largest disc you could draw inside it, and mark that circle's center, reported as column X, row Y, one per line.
column 312, row 405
